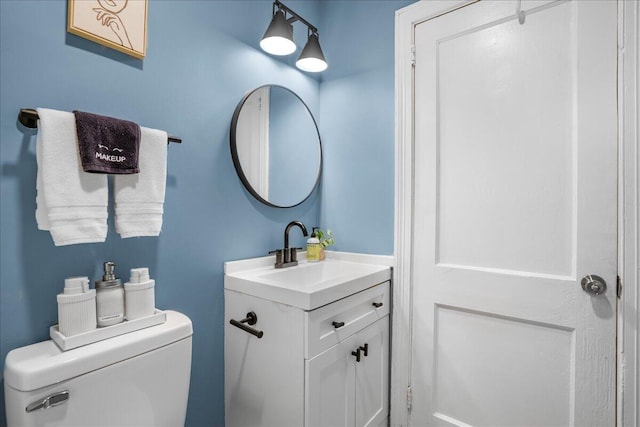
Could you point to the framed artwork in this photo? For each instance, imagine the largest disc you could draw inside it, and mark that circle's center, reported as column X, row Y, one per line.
column 118, row 24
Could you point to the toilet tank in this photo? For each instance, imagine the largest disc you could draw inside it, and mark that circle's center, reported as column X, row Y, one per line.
column 136, row 379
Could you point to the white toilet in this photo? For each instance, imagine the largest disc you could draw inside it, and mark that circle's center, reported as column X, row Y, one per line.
column 136, row 379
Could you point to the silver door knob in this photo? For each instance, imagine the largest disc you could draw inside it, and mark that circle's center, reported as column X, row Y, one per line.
column 594, row 285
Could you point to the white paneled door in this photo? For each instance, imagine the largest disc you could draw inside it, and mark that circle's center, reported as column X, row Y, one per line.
column 515, row 169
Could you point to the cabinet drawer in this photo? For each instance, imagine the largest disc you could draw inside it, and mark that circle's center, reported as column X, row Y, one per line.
column 328, row 325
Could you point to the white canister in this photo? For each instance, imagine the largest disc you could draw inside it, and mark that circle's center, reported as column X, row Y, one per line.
column 76, row 307
column 140, row 298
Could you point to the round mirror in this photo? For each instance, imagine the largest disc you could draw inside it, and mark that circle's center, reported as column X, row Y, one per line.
column 276, row 146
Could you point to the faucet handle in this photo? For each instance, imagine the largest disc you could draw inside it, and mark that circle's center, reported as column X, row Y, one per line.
column 278, row 253
column 294, row 254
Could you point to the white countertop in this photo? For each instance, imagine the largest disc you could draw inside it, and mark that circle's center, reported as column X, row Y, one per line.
column 307, row 285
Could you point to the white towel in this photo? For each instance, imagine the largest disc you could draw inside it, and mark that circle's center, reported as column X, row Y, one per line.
column 140, row 197
column 71, row 203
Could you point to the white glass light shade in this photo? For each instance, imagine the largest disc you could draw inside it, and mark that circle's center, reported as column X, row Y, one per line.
column 278, row 39
column 312, row 59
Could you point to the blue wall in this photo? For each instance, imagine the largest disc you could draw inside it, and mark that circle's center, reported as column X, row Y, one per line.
column 357, row 124
column 202, row 56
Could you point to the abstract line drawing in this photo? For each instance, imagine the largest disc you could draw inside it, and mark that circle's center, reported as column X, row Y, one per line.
column 118, row 24
column 108, row 13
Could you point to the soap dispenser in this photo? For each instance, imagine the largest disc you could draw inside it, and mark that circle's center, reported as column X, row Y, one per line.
column 313, row 247
column 109, row 297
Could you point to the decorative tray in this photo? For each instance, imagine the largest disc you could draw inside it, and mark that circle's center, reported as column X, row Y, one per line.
column 67, row 343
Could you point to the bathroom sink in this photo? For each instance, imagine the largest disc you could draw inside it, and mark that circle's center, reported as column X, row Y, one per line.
column 307, row 285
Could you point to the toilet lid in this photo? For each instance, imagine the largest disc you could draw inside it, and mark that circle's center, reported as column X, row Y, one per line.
column 42, row 364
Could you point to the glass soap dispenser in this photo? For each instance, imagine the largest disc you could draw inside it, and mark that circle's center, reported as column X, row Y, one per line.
column 109, row 297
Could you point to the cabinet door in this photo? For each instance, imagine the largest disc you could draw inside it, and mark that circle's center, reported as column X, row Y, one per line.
column 372, row 375
column 329, row 386
column 264, row 377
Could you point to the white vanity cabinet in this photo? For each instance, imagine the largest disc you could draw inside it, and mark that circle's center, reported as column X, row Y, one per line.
column 314, row 366
column 341, row 391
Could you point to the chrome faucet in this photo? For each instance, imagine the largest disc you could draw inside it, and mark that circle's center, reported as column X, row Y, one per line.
column 288, row 257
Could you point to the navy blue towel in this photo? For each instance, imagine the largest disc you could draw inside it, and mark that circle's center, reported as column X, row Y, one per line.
column 106, row 144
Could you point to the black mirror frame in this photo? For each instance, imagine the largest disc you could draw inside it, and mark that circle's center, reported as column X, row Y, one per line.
column 236, row 158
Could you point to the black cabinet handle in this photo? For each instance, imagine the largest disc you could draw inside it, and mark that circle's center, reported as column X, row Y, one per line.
column 356, row 354
column 337, row 324
column 365, row 349
column 378, row 304
column 250, row 319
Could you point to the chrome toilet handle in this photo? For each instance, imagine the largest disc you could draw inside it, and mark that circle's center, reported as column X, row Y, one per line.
column 49, row 401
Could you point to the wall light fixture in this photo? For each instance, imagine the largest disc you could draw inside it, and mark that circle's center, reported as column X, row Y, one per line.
column 278, row 39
